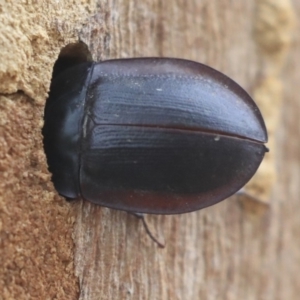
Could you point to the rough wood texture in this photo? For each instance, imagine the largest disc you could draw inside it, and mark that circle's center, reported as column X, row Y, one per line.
column 238, row 249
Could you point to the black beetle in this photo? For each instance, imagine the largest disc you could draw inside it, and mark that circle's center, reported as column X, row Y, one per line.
column 151, row 135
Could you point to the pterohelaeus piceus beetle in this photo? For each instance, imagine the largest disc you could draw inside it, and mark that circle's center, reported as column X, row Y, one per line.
column 151, row 135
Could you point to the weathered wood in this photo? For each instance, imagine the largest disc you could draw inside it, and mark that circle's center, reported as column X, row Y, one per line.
column 227, row 251
column 238, row 249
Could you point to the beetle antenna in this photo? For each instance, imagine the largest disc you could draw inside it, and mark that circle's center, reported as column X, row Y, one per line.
column 153, row 238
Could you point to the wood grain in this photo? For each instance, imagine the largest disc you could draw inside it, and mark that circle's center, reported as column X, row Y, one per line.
column 233, row 250
column 239, row 249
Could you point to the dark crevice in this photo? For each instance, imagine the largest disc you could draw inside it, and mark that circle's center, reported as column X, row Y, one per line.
column 70, row 56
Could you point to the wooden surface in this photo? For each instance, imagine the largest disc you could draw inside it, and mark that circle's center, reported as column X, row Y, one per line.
column 238, row 249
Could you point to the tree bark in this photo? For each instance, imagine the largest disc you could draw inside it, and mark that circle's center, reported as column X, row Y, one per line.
column 242, row 248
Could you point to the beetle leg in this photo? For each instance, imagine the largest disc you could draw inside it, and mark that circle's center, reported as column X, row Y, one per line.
column 153, row 238
column 70, row 199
